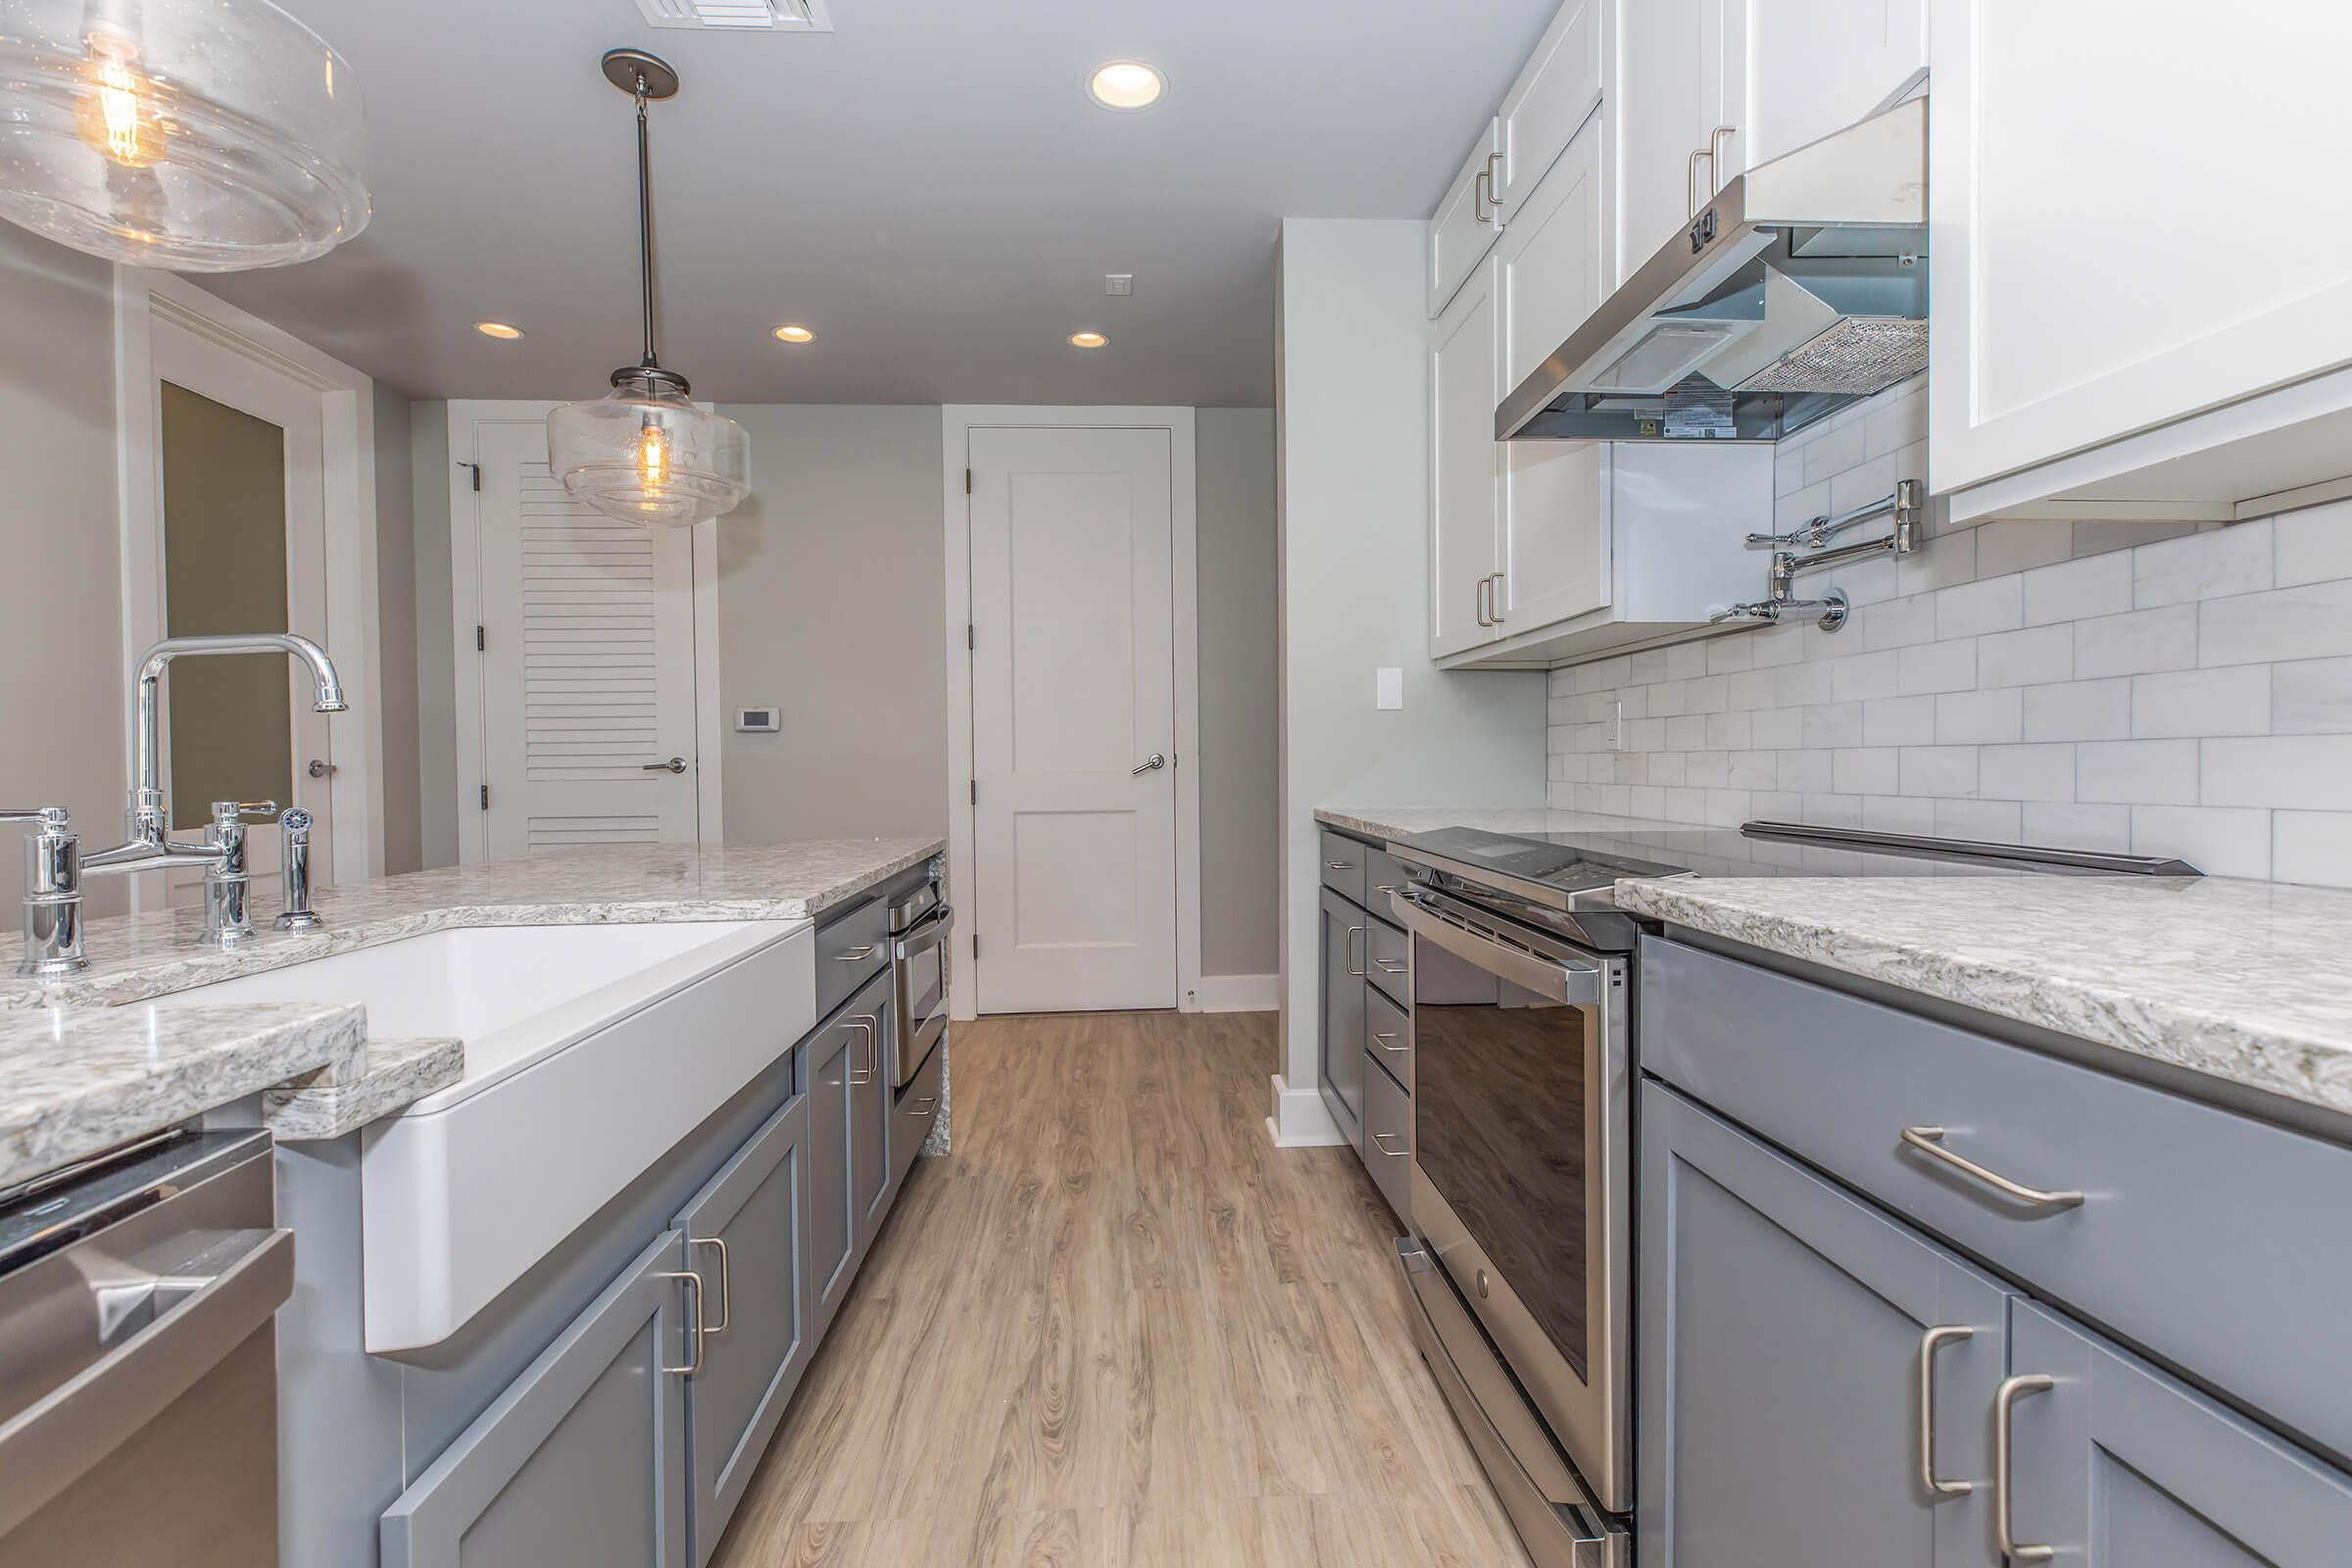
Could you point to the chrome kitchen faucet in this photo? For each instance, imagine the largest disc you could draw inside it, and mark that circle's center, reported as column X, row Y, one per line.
column 54, row 864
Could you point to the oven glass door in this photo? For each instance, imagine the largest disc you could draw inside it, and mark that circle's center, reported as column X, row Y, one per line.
column 1500, row 1128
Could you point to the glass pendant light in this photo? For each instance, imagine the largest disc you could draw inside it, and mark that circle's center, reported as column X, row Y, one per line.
column 200, row 135
column 644, row 453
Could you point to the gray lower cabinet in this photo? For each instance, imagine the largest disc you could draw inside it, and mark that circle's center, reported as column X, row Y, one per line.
column 2119, row 1466
column 870, row 1099
column 1389, row 1138
column 1785, row 1331
column 745, row 1233
column 1339, row 1058
column 849, row 1145
column 581, row 1461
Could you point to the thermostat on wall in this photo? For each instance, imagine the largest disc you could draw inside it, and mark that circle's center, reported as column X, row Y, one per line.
column 758, row 718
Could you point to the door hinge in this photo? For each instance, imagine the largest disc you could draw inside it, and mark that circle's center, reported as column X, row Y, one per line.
column 475, row 469
column 975, row 792
column 975, row 946
column 481, row 640
column 971, row 636
column 485, row 796
column 968, row 482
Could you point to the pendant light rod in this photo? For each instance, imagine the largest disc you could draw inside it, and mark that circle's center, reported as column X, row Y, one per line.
column 646, row 79
column 645, row 225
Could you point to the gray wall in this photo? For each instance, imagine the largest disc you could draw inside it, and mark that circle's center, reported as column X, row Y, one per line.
column 1351, row 340
column 1240, row 828
column 396, row 631
column 436, row 659
column 831, row 588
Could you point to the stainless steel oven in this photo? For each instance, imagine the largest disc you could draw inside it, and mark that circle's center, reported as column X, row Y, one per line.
column 1522, row 1202
column 920, row 924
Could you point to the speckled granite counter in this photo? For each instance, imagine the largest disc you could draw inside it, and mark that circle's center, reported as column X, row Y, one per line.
column 2249, row 982
column 1401, row 822
column 83, row 1066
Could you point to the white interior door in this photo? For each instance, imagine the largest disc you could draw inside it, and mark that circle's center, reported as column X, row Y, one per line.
column 1073, row 695
column 586, row 660
column 239, row 546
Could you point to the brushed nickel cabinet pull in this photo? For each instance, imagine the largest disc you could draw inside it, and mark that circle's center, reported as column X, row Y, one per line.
column 690, row 1278
column 1928, row 1141
column 2004, row 1406
column 726, row 1283
column 1929, row 1343
column 1379, row 1143
column 1353, row 932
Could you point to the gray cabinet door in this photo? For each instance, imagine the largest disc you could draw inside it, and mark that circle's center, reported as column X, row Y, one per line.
column 2119, row 1466
column 871, row 1100
column 834, row 1055
column 1341, row 1053
column 745, row 1233
column 1388, row 1149
column 582, row 1460
column 1784, row 1329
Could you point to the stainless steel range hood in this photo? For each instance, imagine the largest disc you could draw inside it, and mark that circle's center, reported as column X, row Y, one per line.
column 1801, row 287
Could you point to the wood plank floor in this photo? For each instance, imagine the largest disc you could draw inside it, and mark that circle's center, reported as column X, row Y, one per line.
column 1117, row 1328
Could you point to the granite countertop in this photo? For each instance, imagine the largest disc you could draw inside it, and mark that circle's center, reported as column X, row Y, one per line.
column 2248, row 982
column 1402, row 823
column 84, row 1064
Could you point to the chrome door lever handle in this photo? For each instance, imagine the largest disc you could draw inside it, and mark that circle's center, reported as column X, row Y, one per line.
column 320, row 767
column 1151, row 764
column 676, row 764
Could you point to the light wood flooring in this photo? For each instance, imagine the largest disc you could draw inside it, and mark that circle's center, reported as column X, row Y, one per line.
column 1118, row 1328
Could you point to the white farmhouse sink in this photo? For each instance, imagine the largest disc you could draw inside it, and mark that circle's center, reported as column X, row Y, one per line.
column 590, row 1051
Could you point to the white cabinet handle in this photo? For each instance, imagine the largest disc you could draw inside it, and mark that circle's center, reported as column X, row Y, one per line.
column 1482, row 195
column 1715, row 142
column 1495, row 182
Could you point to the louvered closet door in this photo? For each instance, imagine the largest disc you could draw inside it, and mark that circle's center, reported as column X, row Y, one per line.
column 588, row 669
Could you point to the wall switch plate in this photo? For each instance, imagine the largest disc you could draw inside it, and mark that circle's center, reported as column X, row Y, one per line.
column 1388, row 688
column 764, row 720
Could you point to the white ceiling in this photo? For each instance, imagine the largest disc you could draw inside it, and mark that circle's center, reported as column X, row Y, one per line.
column 929, row 188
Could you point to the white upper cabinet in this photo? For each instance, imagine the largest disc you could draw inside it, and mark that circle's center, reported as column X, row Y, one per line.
column 1667, row 99
column 1555, row 524
column 1463, row 228
column 1802, row 69
column 1465, row 467
column 2142, row 290
column 1557, row 92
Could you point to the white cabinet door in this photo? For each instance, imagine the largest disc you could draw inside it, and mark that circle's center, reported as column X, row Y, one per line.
column 2123, row 230
column 1556, row 527
column 1668, row 98
column 1464, row 228
column 1813, row 67
column 1557, row 92
column 1465, row 465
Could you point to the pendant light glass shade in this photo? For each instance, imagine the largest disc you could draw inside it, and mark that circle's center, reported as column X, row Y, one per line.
column 644, row 453
column 647, row 455
column 200, row 135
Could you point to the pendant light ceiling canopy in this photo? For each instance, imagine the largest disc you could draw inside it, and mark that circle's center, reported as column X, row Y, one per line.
column 644, row 453
column 200, row 135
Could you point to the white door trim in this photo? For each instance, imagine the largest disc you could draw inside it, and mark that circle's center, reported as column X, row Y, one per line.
column 347, row 405
column 956, row 424
column 465, row 600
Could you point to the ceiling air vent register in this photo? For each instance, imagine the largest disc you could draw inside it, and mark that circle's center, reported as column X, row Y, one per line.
column 741, row 15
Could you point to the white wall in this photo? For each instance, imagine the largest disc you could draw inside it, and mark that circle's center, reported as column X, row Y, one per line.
column 1352, row 443
column 436, row 656
column 61, row 599
column 1235, row 564
column 2149, row 688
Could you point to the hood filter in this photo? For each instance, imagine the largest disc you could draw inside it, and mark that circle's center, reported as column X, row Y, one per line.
column 1857, row 355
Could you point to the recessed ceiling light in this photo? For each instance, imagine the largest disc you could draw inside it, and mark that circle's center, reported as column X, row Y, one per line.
column 498, row 329
column 1089, row 340
column 796, row 334
column 1127, row 84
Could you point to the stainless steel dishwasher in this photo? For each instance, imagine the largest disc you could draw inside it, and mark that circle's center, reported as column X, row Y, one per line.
column 138, row 1357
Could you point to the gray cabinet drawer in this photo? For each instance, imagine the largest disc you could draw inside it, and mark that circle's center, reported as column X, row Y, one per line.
column 1343, row 865
column 1388, row 1139
column 1389, row 1037
column 2203, row 1236
column 1384, row 873
column 1391, row 965
column 917, row 1110
column 848, row 951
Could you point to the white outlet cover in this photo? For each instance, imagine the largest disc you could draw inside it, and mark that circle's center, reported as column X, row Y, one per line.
column 1118, row 282
column 1388, row 688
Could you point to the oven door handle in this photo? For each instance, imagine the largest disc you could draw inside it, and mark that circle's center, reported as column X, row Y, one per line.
column 928, row 932
column 1577, row 985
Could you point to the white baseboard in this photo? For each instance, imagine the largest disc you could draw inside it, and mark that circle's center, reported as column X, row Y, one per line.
column 1302, row 1120
column 1234, row 993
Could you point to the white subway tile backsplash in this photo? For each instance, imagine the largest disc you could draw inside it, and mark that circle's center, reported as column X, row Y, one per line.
column 2312, row 846
column 2233, row 701
column 2100, row 586
column 2137, row 772
column 2203, row 565
column 2079, row 711
column 2142, row 640
column 2298, row 772
column 2028, row 657
column 2112, row 685
column 2219, row 841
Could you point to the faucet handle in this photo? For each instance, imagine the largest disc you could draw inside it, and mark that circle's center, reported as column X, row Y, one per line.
column 227, row 811
column 52, row 818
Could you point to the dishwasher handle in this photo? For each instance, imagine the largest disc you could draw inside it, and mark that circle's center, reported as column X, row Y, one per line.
column 58, row 1439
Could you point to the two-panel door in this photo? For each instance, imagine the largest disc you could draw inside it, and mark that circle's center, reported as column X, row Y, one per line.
column 1815, row 1378
column 745, row 1233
